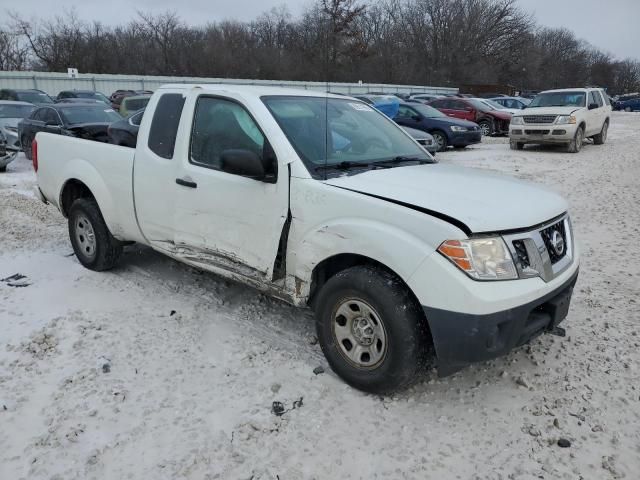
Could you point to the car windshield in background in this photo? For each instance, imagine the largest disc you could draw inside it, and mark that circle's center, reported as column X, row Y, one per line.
column 559, row 99
column 89, row 114
column 355, row 133
column 34, row 97
column 478, row 105
column 427, row 111
column 16, row 111
column 494, row 105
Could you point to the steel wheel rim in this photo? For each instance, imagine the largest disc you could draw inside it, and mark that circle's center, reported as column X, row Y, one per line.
column 359, row 333
column 85, row 237
column 485, row 129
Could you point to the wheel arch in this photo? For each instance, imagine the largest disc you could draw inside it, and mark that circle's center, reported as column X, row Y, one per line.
column 331, row 266
column 71, row 191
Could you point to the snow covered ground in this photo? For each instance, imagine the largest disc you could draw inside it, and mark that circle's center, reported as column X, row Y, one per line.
column 157, row 371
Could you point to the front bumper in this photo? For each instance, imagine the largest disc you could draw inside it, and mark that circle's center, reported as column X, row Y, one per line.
column 542, row 133
column 462, row 139
column 464, row 338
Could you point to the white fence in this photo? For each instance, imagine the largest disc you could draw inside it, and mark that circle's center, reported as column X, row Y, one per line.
column 52, row 83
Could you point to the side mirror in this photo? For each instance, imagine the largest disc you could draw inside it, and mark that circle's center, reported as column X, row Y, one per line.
column 247, row 164
column 593, row 106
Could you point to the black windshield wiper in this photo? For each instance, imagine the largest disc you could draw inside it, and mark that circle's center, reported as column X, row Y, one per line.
column 345, row 165
column 400, row 159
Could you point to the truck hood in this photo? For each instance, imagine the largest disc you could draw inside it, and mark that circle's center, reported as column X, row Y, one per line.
column 471, row 199
column 549, row 110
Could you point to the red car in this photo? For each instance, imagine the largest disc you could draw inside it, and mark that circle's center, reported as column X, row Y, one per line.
column 491, row 121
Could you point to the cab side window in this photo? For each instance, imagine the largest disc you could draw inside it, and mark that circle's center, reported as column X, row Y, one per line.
column 220, row 125
column 164, row 126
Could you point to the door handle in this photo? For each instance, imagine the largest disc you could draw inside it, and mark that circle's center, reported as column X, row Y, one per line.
column 186, row 183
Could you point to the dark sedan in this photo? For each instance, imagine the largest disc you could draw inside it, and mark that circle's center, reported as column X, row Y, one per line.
column 36, row 97
column 83, row 120
column 446, row 131
column 86, row 95
column 125, row 131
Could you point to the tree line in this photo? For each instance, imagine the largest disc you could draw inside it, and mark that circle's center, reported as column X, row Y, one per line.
column 422, row 42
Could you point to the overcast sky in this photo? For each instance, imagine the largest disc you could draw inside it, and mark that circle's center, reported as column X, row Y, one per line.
column 611, row 25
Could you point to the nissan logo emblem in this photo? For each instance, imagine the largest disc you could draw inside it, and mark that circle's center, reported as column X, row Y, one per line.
column 557, row 242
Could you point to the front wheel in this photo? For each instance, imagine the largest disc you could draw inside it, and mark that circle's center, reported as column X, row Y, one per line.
column 576, row 144
column 441, row 140
column 485, row 128
column 92, row 242
column 371, row 329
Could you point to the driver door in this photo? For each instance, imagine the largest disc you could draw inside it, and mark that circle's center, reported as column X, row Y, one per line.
column 223, row 219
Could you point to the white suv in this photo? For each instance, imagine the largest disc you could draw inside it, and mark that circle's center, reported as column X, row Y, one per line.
column 563, row 117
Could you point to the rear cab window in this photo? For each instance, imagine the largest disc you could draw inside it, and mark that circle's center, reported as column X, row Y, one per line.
column 164, row 125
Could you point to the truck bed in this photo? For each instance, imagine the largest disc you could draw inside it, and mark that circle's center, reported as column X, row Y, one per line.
column 104, row 168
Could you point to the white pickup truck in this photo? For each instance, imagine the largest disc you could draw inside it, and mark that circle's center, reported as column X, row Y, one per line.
column 322, row 201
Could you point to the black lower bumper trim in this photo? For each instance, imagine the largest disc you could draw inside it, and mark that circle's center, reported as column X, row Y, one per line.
column 462, row 338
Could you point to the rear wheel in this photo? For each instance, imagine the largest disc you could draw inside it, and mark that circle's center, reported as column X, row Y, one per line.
column 441, row 140
column 515, row 145
column 600, row 138
column 576, row 144
column 485, row 128
column 3, row 169
column 371, row 329
column 92, row 242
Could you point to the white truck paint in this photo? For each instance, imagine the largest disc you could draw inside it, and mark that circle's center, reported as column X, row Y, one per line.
column 298, row 233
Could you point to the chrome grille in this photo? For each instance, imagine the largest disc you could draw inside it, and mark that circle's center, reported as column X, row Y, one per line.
column 540, row 119
column 534, row 252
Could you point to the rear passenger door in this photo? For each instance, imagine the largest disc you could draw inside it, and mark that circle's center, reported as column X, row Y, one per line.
column 225, row 220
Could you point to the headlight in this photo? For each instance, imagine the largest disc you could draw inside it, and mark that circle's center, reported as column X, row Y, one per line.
column 481, row 258
column 517, row 121
column 564, row 119
column 455, row 128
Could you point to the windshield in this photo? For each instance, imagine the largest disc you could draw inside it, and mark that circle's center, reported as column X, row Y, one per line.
column 16, row 111
column 34, row 97
column 427, row 111
column 357, row 133
column 559, row 99
column 93, row 96
column 89, row 114
column 495, row 105
column 479, row 105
